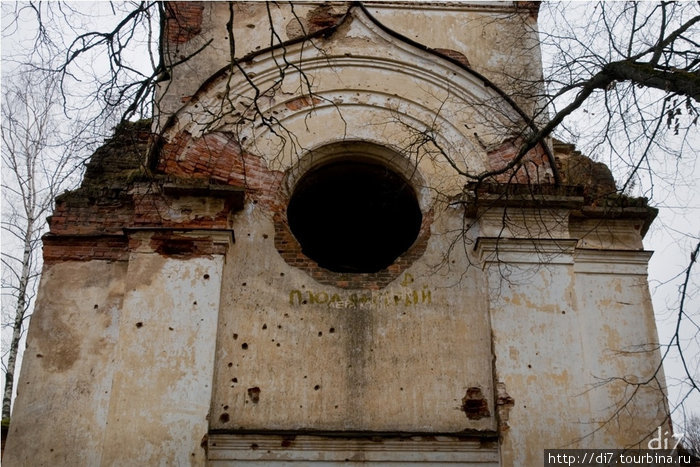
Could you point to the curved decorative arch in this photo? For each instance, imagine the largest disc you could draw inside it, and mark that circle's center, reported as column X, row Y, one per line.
column 362, row 151
column 362, row 82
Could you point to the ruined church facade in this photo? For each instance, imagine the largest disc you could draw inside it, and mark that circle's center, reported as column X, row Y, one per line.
column 297, row 259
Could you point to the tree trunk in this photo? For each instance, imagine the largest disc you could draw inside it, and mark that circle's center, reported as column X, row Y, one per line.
column 20, row 311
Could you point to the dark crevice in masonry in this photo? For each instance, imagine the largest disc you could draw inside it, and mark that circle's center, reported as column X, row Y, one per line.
column 353, row 216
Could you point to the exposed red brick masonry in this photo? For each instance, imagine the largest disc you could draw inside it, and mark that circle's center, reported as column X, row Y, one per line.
column 533, row 167
column 119, row 196
column 183, row 21
column 219, row 156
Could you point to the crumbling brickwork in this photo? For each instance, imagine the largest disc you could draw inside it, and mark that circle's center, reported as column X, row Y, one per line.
column 290, row 250
column 119, row 194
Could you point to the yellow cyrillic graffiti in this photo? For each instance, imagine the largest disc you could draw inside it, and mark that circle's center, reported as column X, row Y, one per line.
column 411, row 297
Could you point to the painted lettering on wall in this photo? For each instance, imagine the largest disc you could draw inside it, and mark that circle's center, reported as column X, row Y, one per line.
column 361, row 299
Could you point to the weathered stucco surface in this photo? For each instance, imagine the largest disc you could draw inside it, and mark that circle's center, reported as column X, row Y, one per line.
column 204, row 333
column 326, row 358
column 121, row 363
column 73, row 334
column 486, row 35
column 162, row 385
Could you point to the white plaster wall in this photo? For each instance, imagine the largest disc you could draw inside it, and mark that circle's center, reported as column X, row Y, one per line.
column 573, row 334
column 497, row 41
column 627, row 396
column 368, row 86
column 400, row 361
column 164, row 361
column 61, row 412
column 537, row 348
column 119, row 364
column 436, row 450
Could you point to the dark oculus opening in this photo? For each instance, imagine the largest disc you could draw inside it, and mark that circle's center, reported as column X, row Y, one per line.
column 352, row 216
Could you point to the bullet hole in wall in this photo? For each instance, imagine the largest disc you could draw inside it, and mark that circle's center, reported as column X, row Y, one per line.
column 254, row 394
column 474, row 404
column 287, row 441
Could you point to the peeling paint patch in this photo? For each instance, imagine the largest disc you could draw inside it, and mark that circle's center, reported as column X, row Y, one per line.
column 323, row 17
column 62, row 346
column 503, row 405
column 455, row 55
column 474, row 404
column 302, row 102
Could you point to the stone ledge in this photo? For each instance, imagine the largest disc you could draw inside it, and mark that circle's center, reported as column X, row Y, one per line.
column 525, row 250
column 435, row 449
column 626, row 262
column 235, row 195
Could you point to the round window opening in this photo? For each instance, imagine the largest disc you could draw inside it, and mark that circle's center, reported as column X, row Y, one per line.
column 354, row 217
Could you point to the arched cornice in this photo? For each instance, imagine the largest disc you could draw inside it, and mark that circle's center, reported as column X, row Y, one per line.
column 355, row 80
